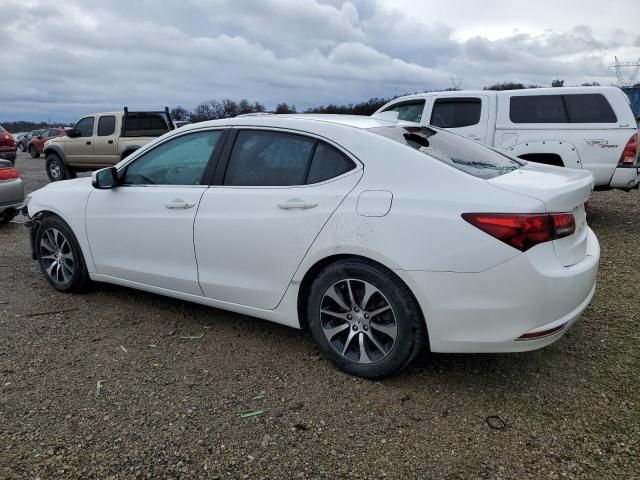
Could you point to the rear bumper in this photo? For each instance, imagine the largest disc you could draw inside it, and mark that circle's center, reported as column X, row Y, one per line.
column 626, row 178
column 8, row 155
column 11, row 195
column 489, row 311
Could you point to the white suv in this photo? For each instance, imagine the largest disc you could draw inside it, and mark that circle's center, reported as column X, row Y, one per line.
column 591, row 128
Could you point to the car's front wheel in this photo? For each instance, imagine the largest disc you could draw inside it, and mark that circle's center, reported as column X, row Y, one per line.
column 33, row 151
column 365, row 319
column 60, row 256
column 56, row 170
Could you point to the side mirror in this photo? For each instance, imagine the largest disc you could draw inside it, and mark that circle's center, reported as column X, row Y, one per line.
column 73, row 133
column 105, row 179
column 40, row 137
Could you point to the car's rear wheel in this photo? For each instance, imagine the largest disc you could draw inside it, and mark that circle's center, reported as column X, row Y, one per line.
column 365, row 319
column 56, row 169
column 60, row 256
column 33, row 151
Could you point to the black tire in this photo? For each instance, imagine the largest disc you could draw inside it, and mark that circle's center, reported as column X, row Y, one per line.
column 33, row 152
column 56, row 169
column 405, row 314
column 72, row 277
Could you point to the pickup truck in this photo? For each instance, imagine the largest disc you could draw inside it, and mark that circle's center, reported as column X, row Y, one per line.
column 591, row 128
column 102, row 140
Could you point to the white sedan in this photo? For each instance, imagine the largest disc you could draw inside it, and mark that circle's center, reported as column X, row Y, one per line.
column 380, row 237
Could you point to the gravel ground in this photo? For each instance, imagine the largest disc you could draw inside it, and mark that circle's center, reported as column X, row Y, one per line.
column 170, row 407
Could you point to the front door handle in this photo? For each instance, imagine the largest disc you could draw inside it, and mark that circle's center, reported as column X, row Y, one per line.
column 110, row 142
column 88, row 142
column 296, row 203
column 179, row 204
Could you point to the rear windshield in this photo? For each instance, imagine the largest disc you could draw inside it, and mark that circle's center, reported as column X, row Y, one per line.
column 145, row 125
column 454, row 150
column 2, row 129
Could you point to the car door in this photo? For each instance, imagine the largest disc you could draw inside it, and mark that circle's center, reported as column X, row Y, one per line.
column 79, row 149
column 105, row 147
column 142, row 230
column 255, row 226
column 466, row 115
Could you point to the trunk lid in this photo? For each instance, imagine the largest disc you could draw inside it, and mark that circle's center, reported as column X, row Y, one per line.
column 561, row 190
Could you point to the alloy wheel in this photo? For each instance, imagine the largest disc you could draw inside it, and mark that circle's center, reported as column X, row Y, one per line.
column 57, row 256
column 358, row 321
column 54, row 169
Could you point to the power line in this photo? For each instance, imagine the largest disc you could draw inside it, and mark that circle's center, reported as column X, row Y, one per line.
column 627, row 72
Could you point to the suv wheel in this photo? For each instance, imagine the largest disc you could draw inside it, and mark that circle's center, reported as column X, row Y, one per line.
column 33, row 152
column 365, row 319
column 56, row 170
column 60, row 256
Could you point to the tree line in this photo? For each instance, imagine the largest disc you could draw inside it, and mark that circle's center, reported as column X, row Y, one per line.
column 227, row 108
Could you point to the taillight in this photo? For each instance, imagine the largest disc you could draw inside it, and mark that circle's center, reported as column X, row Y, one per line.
column 630, row 152
column 8, row 174
column 523, row 230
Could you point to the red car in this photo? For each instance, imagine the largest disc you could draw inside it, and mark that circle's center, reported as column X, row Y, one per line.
column 7, row 146
column 36, row 144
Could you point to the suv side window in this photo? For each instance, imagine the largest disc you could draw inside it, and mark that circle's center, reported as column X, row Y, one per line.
column 85, row 126
column 328, row 162
column 410, row 111
column 179, row 161
column 106, row 125
column 268, row 158
column 456, row 112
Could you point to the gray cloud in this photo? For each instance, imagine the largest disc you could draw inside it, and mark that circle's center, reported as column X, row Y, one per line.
column 69, row 58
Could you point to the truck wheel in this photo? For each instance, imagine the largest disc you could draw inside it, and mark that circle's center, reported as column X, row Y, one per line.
column 56, row 170
column 33, row 152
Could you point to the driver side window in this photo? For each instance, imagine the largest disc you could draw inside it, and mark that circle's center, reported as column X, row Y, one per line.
column 179, row 161
column 85, row 127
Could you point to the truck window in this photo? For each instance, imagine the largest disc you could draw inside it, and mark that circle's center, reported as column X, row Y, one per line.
column 410, row 111
column 106, row 125
column 85, row 127
column 456, row 112
column 140, row 124
column 589, row 108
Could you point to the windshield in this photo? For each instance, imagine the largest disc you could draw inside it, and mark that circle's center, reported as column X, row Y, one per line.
column 454, row 150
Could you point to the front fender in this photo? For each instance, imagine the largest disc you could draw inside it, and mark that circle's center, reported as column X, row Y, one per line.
column 55, row 149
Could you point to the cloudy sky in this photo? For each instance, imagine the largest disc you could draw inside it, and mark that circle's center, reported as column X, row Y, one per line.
column 62, row 59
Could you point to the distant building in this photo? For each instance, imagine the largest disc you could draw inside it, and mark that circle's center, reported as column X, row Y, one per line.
column 634, row 96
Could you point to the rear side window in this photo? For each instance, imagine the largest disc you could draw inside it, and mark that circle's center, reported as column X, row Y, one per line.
column 409, row 111
column 328, row 162
column 106, row 125
column 458, row 152
column 265, row 158
column 589, row 108
column 456, row 112
column 145, row 125
column 578, row 108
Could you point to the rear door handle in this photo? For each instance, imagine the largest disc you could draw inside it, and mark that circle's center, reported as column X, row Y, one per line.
column 296, row 203
column 179, row 204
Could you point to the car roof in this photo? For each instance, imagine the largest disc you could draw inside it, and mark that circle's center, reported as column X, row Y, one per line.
column 299, row 119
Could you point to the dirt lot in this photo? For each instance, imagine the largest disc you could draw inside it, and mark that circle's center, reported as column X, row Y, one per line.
column 170, row 407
